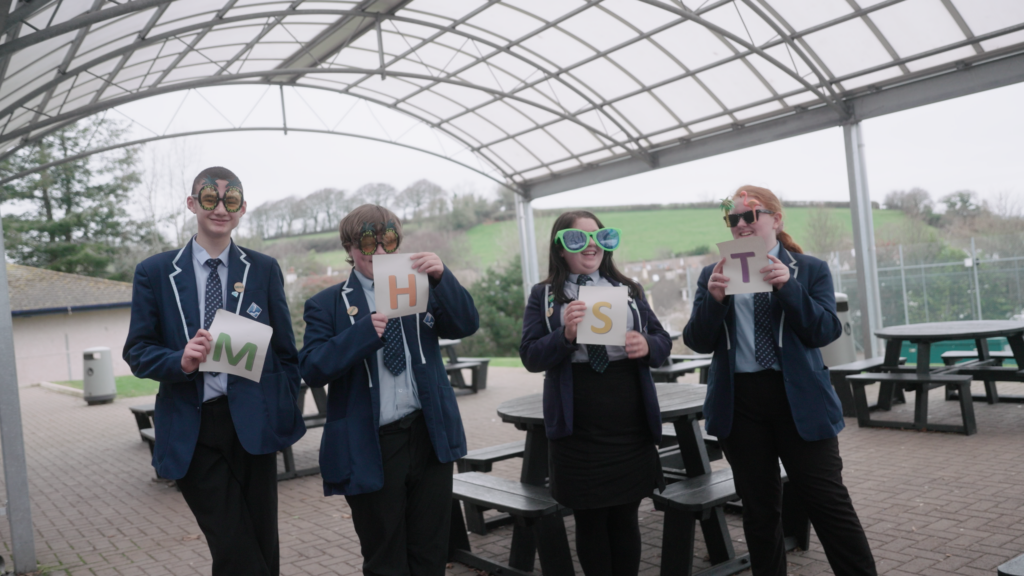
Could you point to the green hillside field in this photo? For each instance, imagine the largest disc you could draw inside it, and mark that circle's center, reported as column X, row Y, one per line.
column 647, row 234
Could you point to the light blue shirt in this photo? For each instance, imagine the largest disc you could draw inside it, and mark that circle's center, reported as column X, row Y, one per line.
column 398, row 395
column 572, row 290
column 213, row 385
column 744, row 309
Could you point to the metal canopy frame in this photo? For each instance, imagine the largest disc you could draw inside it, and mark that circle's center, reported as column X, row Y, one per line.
column 541, row 96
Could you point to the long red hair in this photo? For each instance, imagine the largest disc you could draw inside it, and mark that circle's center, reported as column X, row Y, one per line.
column 754, row 197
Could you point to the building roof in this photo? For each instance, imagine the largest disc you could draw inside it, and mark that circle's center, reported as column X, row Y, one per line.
column 38, row 291
column 543, row 96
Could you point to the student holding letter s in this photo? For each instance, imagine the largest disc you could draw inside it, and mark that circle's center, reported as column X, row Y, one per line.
column 601, row 410
column 393, row 427
column 769, row 394
column 217, row 434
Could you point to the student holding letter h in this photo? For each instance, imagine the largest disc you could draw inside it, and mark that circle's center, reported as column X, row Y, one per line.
column 769, row 395
column 601, row 409
column 393, row 426
column 217, row 434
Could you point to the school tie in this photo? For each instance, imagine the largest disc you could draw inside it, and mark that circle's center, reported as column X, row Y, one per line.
column 394, row 348
column 214, row 296
column 597, row 353
column 764, row 352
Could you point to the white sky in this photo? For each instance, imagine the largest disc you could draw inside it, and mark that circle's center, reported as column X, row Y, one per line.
column 967, row 143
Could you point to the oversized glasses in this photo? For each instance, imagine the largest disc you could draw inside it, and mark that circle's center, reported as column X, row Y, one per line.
column 750, row 216
column 368, row 240
column 575, row 240
column 232, row 199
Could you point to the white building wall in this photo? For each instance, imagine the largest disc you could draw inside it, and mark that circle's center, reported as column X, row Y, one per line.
column 45, row 345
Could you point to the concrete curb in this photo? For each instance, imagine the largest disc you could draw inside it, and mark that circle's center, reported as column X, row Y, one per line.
column 62, row 389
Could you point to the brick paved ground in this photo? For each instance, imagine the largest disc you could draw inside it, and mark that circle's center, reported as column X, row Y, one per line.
column 932, row 504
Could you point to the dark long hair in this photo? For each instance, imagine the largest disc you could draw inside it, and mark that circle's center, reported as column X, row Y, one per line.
column 558, row 268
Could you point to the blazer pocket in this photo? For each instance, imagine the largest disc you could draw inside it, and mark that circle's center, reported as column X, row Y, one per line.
column 335, row 452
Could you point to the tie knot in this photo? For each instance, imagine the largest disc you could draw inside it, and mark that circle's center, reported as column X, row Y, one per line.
column 582, row 279
column 213, row 263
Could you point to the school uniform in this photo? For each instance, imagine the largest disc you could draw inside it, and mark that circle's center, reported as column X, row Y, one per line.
column 770, row 398
column 217, row 435
column 393, row 426
column 602, row 420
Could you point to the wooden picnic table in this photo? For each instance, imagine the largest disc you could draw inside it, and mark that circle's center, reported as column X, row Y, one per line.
column 924, row 335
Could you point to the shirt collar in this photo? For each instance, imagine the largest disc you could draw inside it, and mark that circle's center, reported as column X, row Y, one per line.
column 593, row 277
column 363, row 280
column 201, row 255
column 775, row 251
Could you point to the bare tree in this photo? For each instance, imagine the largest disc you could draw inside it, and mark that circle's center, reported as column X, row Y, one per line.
column 418, row 196
column 376, row 193
column 824, row 232
column 326, row 206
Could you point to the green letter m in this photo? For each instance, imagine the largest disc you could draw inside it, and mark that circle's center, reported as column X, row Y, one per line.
column 224, row 341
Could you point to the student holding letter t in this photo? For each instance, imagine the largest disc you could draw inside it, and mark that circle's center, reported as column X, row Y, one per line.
column 769, row 395
column 393, row 427
column 601, row 410
column 217, row 434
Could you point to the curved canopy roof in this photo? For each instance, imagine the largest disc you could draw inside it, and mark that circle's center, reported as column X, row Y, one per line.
column 544, row 95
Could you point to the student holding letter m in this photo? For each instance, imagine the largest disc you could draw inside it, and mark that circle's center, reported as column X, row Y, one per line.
column 217, row 434
column 601, row 410
column 769, row 395
column 393, row 427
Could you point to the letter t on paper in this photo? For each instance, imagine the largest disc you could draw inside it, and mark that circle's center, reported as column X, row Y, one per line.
column 744, row 258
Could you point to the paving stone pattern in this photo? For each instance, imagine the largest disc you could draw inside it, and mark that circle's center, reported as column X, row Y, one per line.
column 932, row 503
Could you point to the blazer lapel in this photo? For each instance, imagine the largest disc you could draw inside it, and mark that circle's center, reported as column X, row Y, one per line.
column 183, row 284
column 238, row 273
column 352, row 295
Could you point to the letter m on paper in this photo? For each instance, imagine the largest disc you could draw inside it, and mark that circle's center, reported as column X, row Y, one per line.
column 395, row 291
column 224, row 344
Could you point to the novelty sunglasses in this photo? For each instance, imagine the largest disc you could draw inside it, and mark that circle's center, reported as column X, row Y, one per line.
column 368, row 240
column 750, row 216
column 208, row 198
column 575, row 240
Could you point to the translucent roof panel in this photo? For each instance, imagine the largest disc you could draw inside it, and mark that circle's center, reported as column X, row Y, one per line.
column 524, row 91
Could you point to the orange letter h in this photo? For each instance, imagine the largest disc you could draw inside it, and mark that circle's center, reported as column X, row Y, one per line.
column 395, row 291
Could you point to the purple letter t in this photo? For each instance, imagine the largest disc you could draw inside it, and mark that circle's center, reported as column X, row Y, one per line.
column 743, row 264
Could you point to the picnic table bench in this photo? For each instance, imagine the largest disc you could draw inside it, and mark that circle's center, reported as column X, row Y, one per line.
column 481, row 460
column 455, row 366
column 920, row 384
column 144, row 420
column 886, row 397
column 538, row 525
column 671, row 371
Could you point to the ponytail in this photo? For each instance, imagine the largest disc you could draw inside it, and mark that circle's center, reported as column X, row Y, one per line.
column 788, row 243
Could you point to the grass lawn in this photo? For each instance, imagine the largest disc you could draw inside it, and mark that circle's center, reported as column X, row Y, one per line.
column 507, row 362
column 127, row 386
column 335, row 259
column 649, row 234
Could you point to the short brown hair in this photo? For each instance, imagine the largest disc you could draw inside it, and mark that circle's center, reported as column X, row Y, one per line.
column 770, row 201
column 351, row 226
column 215, row 173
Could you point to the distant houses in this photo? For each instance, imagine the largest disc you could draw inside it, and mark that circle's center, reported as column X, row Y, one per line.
column 57, row 315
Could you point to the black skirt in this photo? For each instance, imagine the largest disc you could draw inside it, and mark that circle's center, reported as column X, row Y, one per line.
column 610, row 458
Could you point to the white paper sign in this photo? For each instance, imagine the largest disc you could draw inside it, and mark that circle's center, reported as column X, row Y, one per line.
column 605, row 321
column 398, row 289
column 239, row 346
column 744, row 258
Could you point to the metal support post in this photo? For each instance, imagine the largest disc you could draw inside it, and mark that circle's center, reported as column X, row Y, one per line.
column 863, row 239
column 977, row 285
column 19, row 511
column 903, row 279
column 527, row 244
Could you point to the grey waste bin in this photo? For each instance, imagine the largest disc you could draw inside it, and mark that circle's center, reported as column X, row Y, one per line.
column 98, row 376
column 841, row 351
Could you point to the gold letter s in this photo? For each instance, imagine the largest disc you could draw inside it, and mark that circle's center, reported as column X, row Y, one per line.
column 602, row 317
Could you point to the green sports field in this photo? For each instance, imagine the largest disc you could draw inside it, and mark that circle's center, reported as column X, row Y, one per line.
column 648, row 234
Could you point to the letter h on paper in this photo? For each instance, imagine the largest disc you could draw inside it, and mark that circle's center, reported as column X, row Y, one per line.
column 395, row 291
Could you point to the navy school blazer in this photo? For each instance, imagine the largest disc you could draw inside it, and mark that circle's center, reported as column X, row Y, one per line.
column 803, row 320
column 165, row 316
column 340, row 351
column 544, row 348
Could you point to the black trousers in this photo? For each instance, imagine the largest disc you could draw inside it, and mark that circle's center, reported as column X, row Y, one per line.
column 608, row 540
column 403, row 527
column 763, row 432
column 233, row 495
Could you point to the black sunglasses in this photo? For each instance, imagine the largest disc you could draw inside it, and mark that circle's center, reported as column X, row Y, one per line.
column 750, row 216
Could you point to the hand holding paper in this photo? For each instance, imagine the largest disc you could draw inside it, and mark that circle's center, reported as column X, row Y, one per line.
column 605, row 318
column 399, row 289
column 744, row 258
column 239, row 346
